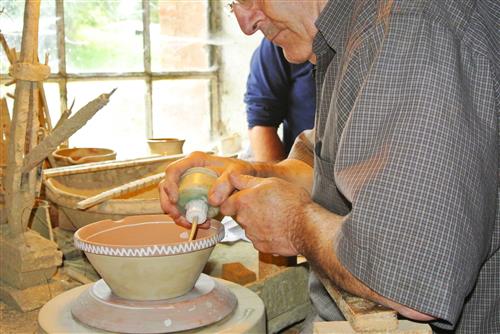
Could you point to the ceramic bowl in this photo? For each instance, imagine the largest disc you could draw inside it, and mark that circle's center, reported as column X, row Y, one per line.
column 82, row 155
column 165, row 146
column 147, row 257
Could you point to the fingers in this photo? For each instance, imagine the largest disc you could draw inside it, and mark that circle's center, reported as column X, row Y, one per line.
column 230, row 206
column 221, row 189
column 227, row 183
column 174, row 171
column 241, row 182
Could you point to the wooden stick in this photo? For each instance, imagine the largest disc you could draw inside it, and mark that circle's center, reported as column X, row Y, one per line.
column 120, row 190
column 194, row 228
column 45, row 109
column 63, row 132
column 107, row 165
column 6, row 49
column 64, row 116
column 14, row 55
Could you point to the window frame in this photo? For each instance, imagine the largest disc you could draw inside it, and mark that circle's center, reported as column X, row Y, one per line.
column 212, row 73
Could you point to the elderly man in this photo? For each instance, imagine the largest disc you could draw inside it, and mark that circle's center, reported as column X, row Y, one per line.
column 395, row 195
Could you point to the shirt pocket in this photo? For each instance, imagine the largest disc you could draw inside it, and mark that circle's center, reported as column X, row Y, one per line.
column 325, row 191
column 323, row 162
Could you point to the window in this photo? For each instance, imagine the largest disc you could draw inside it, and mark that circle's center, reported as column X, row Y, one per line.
column 156, row 52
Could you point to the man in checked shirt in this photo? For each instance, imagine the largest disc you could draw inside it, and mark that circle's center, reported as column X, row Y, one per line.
column 395, row 195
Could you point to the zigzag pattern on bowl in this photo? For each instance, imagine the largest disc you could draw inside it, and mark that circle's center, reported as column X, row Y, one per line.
column 153, row 250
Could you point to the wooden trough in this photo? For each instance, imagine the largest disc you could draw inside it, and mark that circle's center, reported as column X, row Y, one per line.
column 68, row 187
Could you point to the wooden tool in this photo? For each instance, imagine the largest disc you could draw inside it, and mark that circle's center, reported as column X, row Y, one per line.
column 194, row 228
column 120, row 190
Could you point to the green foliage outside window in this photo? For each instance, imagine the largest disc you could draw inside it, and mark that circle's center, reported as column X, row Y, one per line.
column 103, row 36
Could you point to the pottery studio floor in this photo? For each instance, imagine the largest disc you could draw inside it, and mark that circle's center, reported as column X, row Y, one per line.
column 13, row 321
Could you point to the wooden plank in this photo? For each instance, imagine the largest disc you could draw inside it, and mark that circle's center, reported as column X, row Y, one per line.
column 106, row 165
column 362, row 314
column 343, row 327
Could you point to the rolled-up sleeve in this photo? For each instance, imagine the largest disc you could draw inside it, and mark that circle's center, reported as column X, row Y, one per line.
column 266, row 97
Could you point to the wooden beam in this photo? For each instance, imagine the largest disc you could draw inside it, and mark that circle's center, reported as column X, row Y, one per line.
column 20, row 185
column 4, row 130
column 363, row 315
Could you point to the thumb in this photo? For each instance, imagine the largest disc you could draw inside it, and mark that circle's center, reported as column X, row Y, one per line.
column 241, row 182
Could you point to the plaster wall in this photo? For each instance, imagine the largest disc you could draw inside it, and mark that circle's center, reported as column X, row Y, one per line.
column 236, row 51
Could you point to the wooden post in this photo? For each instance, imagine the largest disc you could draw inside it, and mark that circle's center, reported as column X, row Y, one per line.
column 4, row 141
column 20, row 194
column 4, row 131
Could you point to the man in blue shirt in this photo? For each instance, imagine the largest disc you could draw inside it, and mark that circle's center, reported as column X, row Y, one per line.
column 277, row 92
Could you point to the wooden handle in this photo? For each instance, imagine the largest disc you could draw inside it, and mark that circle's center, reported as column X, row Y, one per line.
column 120, row 190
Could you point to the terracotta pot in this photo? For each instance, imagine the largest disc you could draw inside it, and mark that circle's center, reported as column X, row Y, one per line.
column 147, row 257
column 82, row 155
column 165, row 146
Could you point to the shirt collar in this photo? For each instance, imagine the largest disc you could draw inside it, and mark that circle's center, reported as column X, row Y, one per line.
column 332, row 24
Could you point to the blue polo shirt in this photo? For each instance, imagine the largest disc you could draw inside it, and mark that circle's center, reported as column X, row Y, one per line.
column 280, row 92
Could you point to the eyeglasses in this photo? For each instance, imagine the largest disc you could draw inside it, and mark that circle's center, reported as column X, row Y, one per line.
column 229, row 7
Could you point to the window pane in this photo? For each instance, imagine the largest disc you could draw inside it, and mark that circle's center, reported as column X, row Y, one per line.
column 11, row 25
column 103, row 36
column 120, row 125
column 179, row 35
column 181, row 110
column 53, row 101
column 51, row 94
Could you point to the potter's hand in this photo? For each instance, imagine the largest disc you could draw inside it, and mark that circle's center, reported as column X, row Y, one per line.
column 220, row 191
column 269, row 210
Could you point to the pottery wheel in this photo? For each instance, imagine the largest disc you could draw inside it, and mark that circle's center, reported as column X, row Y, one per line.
column 157, row 316
column 206, row 303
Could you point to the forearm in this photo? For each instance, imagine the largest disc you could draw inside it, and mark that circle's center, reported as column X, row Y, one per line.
column 266, row 144
column 315, row 238
column 291, row 170
column 298, row 168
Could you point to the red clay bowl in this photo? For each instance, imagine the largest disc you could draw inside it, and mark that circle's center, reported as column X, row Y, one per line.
column 147, row 257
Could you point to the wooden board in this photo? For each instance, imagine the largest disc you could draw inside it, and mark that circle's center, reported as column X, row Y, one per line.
column 362, row 314
column 343, row 327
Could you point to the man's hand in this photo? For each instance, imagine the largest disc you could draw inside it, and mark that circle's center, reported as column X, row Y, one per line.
column 269, row 209
column 169, row 187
